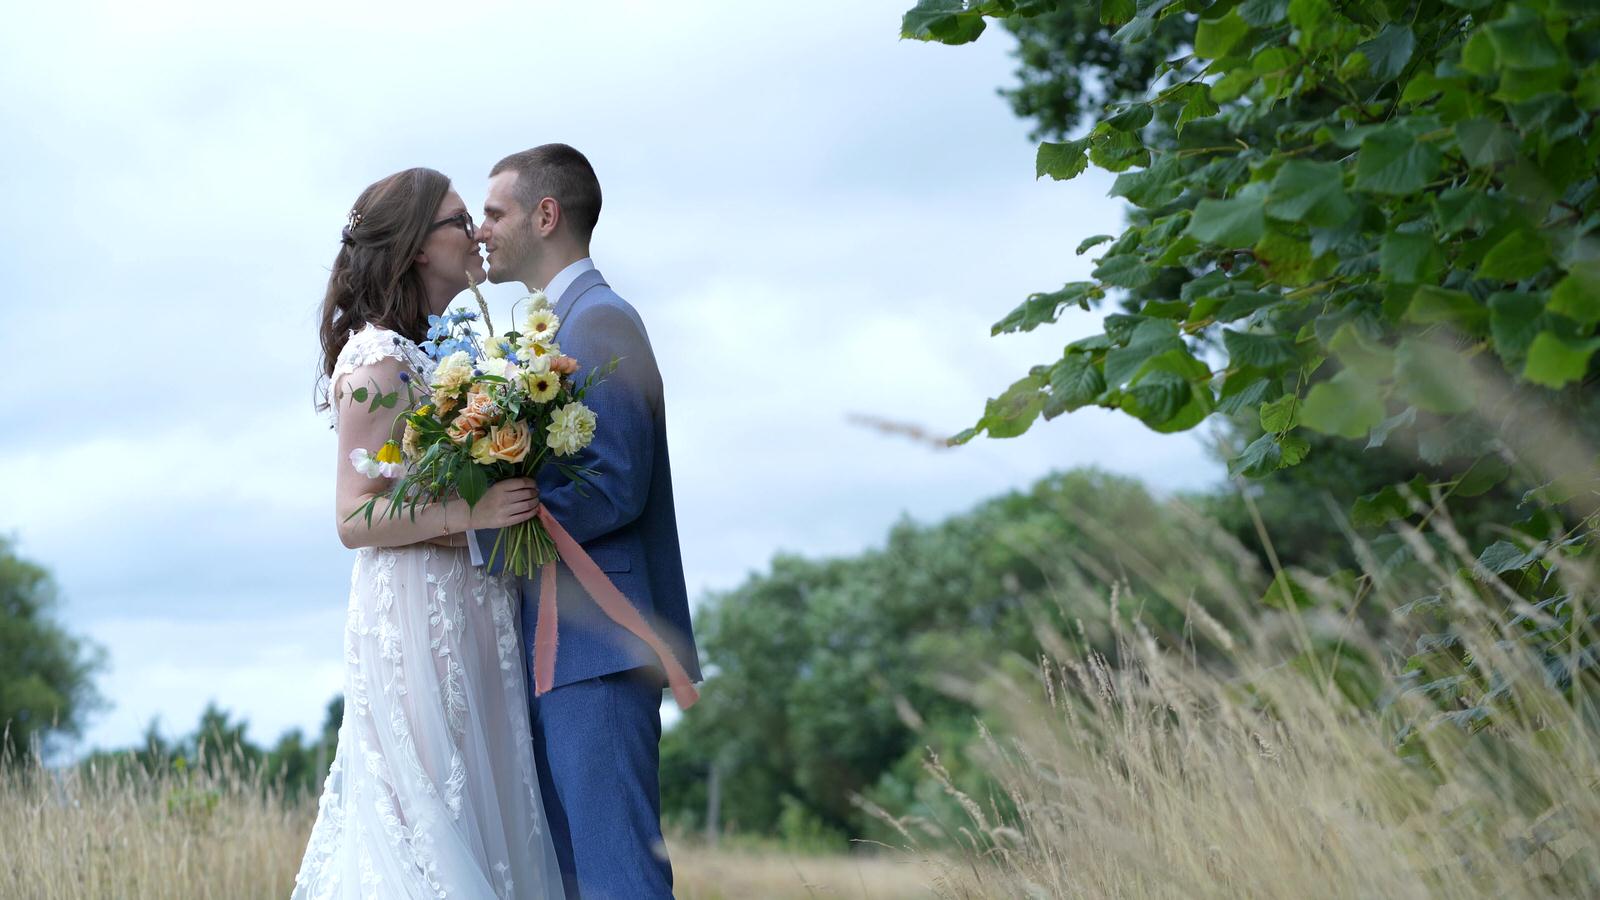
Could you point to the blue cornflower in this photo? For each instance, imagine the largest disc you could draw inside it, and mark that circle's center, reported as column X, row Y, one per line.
column 405, row 378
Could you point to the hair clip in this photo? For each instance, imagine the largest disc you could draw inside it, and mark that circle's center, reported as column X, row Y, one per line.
column 345, row 235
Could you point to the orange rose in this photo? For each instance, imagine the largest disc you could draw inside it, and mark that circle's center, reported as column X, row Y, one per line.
column 564, row 365
column 509, row 443
column 466, row 425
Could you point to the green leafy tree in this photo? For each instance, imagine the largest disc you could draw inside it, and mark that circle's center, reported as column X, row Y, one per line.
column 46, row 674
column 827, row 675
column 1369, row 221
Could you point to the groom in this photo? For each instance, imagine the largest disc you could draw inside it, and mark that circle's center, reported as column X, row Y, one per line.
column 596, row 733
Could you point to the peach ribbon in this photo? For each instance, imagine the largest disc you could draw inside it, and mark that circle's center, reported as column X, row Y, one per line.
column 610, row 601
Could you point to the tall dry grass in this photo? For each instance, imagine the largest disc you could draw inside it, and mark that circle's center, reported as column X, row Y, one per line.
column 1156, row 775
column 119, row 833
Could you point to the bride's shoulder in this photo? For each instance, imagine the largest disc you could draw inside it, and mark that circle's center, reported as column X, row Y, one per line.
column 373, row 344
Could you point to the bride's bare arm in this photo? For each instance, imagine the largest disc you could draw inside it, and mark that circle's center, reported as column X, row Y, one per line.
column 507, row 502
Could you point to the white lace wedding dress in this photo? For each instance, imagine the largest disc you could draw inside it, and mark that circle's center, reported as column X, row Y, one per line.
column 433, row 792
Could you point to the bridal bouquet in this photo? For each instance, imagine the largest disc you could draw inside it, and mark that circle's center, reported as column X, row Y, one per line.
column 498, row 407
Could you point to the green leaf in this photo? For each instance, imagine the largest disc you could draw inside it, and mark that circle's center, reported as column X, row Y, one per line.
column 1261, row 351
column 1393, row 161
column 1236, row 223
column 1041, row 308
column 1244, row 389
column 1521, row 42
column 1380, row 433
column 1432, row 305
column 1370, row 359
column 1345, row 405
column 1286, row 259
column 1520, row 254
column 359, row 395
column 1155, row 186
column 1062, row 161
column 1410, row 258
column 1213, row 38
column 1388, row 53
column 1092, row 242
column 1514, row 321
column 1286, row 593
column 1308, row 15
column 1309, row 192
column 1115, row 12
column 1261, row 457
column 1485, row 142
column 472, row 482
column 1466, row 209
column 1501, row 557
column 1460, row 437
column 1198, row 104
column 1074, row 383
column 1157, row 398
column 1264, row 12
column 1433, row 377
column 1379, row 508
column 1118, row 151
column 1125, row 271
column 1555, row 362
column 1012, row 413
column 946, row 21
column 1133, row 118
column 1484, row 474
column 1281, row 414
column 1577, row 296
column 1151, row 338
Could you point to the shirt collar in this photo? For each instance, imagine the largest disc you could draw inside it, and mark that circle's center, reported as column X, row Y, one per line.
column 564, row 279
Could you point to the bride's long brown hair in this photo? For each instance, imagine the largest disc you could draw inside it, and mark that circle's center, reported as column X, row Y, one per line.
column 373, row 281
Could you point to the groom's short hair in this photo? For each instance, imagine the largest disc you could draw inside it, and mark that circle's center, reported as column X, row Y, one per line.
column 559, row 172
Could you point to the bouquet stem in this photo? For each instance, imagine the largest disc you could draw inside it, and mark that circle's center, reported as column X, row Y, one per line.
column 524, row 547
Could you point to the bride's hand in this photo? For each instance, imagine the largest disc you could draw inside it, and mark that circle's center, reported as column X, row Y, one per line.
column 507, row 503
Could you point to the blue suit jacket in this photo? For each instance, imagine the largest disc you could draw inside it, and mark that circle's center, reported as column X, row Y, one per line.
column 626, row 522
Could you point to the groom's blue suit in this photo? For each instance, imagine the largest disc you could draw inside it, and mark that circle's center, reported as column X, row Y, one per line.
column 596, row 734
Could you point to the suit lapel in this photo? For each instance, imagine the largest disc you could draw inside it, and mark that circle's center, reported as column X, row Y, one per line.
column 576, row 289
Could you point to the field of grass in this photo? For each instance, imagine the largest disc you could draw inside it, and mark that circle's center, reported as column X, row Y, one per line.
column 1159, row 773
column 184, row 835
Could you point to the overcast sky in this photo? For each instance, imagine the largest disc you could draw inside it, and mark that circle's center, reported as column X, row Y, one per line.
column 814, row 218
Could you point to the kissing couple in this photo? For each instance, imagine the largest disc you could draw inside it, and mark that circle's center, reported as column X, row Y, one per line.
column 452, row 778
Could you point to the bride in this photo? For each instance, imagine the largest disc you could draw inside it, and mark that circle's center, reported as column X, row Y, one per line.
column 433, row 791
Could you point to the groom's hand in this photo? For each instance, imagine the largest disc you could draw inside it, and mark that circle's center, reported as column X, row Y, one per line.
column 507, row 503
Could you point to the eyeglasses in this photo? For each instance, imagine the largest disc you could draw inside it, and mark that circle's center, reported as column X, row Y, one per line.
column 464, row 219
